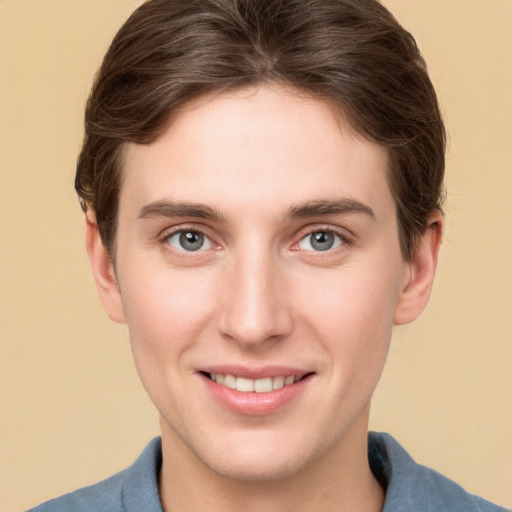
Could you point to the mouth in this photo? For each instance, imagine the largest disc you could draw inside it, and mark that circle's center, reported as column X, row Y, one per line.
column 247, row 385
column 256, row 392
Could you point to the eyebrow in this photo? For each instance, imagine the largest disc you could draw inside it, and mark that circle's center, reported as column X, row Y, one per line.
column 342, row 206
column 171, row 209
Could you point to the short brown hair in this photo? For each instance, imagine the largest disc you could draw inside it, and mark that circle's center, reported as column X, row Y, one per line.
column 352, row 53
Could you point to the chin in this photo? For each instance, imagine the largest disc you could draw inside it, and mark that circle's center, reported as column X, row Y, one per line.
column 268, row 469
column 260, row 459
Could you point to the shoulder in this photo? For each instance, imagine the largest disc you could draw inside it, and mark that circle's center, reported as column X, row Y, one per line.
column 133, row 489
column 411, row 486
column 105, row 495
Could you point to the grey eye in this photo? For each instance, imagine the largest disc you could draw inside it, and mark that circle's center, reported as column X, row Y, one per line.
column 320, row 241
column 189, row 241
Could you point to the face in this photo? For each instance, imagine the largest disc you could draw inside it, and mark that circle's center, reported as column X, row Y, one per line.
column 260, row 274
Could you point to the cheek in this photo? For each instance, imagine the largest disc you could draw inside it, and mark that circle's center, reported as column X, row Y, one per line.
column 352, row 312
column 351, row 297
column 165, row 312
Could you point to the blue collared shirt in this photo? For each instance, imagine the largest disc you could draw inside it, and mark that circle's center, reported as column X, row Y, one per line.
column 410, row 487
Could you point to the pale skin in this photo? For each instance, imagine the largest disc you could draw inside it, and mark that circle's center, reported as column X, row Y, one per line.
column 258, row 235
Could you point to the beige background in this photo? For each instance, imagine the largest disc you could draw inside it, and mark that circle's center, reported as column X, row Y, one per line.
column 72, row 410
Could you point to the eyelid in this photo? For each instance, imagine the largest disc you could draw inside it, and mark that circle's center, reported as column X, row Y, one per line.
column 179, row 228
column 206, row 243
column 337, row 241
column 169, row 232
column 344, row 234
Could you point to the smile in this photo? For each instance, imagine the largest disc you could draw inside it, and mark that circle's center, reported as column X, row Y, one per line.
column 245, row 385
column 256, row 392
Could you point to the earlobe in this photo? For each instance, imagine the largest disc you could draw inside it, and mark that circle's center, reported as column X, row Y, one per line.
column 421, row 271
column 103, row 270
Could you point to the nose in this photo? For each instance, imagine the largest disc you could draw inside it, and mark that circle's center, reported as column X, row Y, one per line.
column 254, row 306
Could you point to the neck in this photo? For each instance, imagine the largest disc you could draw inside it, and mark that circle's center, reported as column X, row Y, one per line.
column 339, row 480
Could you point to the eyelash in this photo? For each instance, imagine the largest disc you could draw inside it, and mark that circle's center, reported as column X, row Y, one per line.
column 184, row 253
column 341, row 240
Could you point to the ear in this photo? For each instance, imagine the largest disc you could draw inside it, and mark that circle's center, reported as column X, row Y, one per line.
column 103, row 270
column 420, row 272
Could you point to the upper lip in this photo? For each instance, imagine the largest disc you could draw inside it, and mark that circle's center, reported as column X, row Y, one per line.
column 256, row 373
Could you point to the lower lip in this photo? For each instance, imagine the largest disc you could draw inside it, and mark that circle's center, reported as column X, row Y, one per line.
column 256, row 404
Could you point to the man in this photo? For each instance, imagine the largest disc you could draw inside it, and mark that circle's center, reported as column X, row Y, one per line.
column 262, row 183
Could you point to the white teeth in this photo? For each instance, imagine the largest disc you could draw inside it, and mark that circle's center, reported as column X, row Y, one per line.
column 246, row 385
column 229, row 381
column 277, row 382
column 263, row 385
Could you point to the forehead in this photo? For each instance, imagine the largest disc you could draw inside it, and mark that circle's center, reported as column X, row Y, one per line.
column 260, row 146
